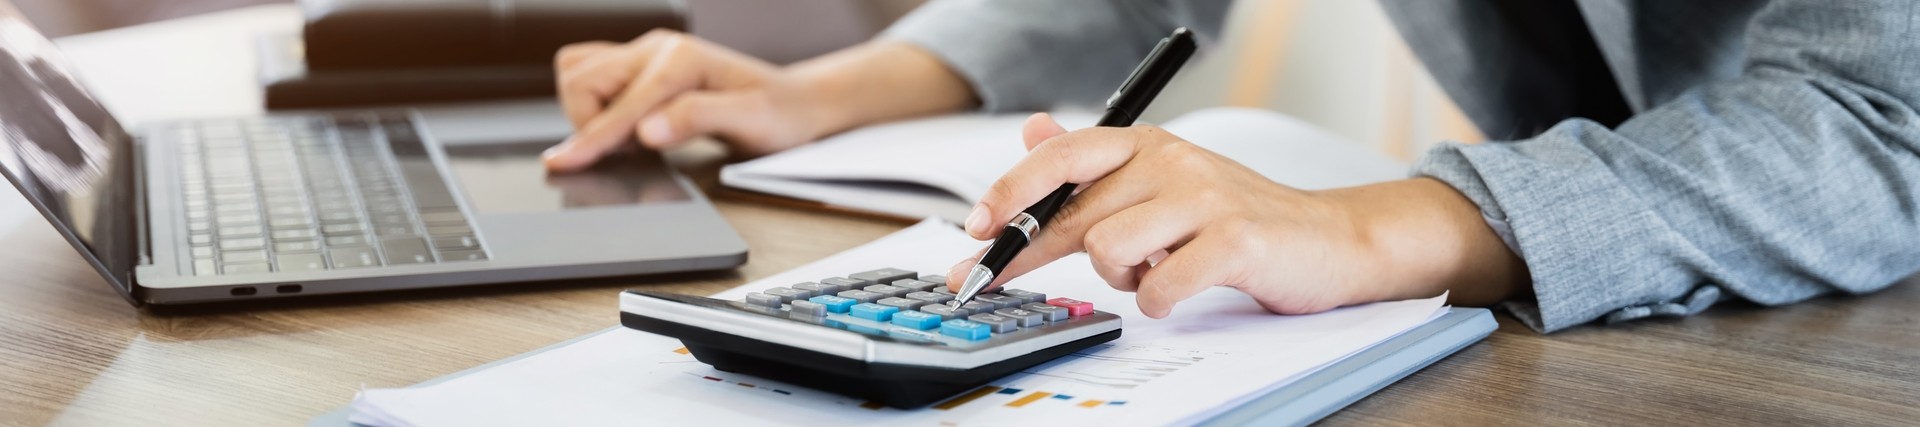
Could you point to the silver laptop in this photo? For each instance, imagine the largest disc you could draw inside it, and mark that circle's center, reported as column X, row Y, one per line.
column 327, row 203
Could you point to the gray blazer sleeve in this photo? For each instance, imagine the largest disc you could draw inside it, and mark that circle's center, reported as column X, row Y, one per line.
column 1798, row 178
column 1036, row 54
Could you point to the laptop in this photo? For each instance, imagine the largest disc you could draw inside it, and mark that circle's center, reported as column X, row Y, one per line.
column 329, row 202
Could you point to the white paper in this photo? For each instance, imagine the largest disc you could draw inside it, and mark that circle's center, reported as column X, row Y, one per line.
column 940, row 166
column 1216, row 349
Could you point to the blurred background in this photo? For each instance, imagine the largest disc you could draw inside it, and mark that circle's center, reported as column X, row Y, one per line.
column 1344, row 69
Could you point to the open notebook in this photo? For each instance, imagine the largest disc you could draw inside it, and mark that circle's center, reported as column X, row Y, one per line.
column 940, row 166
column 1219, row 359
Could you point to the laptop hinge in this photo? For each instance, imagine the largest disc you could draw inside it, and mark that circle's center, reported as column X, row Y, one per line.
column 140, row 215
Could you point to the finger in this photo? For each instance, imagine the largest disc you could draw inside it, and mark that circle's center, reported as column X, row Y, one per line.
column 1066, row 232
column 1120, row 246
column 694, row 114
column 1040, row 127
column 1206, row 261
column 585, row 87
column 1078, row 157
column 957, row 276
column 572, row 54
column 675, row 70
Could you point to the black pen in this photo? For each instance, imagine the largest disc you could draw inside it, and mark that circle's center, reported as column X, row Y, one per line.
column 1122, row 109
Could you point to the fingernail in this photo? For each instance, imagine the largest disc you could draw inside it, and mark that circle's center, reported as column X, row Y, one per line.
column 958, row 274
column 977, row 221
column 556, row 150
column 656, row 129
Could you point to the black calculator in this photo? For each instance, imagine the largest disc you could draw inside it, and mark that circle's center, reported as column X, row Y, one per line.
column 887, row 335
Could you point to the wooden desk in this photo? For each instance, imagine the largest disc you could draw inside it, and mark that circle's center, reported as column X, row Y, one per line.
column 72, row 352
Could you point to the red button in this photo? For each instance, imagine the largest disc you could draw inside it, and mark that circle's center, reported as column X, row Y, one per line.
column 1075, row 308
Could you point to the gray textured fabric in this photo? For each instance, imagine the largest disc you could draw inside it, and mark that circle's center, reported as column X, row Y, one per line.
column 1762, row 150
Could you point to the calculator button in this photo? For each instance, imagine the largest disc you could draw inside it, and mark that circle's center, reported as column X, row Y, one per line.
column 935, row 279
column 999, row 301
column 1000, row 324
column 942, row 289
column 964, row 329
column 1027, row 297
column 915, row 285
column 819, row 289
column 918, row 320
column 976, row 307
column 845, row 283
column 874, row 312
column 905, row 304
column 930, row 297
column 787, row 294
column 888, row 290
column 884, row 275
column 862, row 296
column 1050, row 313
column 1025, row 318
column 1074, row 307
column 763, row 300
column 945, row 312
column 835, row 304
column 808, row 308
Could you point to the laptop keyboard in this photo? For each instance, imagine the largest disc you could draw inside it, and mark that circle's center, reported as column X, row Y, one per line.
column 316, row 193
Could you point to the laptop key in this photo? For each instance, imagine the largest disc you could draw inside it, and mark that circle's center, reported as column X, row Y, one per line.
column 463, row 256
column 353, row 257
column 296, row 246
column 347, row 241
column 300, row 262
column 406, row 251
column 242, row 244
column 455, row 242
column 204, row 267
column 246, row 268
column 440, row 217
column 449, row 230
column 202, row 252
column 200, row 239
column 231, row 257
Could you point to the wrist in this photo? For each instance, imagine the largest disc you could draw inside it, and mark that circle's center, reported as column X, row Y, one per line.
column 1425, row 238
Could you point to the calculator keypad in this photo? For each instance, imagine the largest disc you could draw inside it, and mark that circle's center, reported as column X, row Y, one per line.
column 902, row 304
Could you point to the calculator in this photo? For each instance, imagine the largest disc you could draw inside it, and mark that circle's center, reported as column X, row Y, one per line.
column 889, row 335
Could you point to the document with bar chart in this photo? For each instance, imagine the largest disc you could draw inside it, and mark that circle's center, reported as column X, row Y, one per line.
column 1216, row 349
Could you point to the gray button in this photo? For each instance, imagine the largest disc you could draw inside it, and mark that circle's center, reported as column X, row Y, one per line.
column 1026, row 318
column 407, row 251
column 296, row 246
column 930, row 297
column 884, row 275
column 917, row 285
column 204, row 267
column 974, row 307
column 935, row 278
column 999, row 301
column 279, row 235
column 786, row 294
column 905, row 304
column 300, row 262
column 1051, row 313
column 888, row 290
column 945, row 312
column 347, row 241
column 763, row 300
column 242, row 244
column 1000, row 324
column 819, row 288
column 845, row 283
column 243, row 256
column 455, row 242
column 252, row 267
column 1025, row 295
column 808, row 308
column 942, row 289
column 463, row 256
column 354, row 257
column 861, row 296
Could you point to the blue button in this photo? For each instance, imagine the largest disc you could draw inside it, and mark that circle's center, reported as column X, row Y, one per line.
column 965, row 329
column 917, row 319
column 834, row 304
column 874, row 312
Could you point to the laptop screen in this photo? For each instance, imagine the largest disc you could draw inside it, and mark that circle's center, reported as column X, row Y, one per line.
column 64, row 151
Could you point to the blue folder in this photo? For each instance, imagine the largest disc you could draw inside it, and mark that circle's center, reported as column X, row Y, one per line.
column 1304, row 401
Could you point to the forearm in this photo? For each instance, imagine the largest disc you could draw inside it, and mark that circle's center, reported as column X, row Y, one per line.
column 876, row 82
column 1425, row 238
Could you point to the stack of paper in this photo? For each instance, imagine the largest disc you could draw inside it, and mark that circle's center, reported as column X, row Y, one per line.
column 940, row 166
column 1217, row 349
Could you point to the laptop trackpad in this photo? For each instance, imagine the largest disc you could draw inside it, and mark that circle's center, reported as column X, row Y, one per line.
column 509, row 178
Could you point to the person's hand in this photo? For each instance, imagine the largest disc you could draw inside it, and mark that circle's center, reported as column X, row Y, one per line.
column 1167, row 219
column 667, row 88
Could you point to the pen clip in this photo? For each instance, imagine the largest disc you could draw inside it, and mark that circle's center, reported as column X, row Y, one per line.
column 1134, row 76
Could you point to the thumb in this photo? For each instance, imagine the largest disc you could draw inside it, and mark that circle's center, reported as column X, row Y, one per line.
column 1039, row 128
column 695, row 114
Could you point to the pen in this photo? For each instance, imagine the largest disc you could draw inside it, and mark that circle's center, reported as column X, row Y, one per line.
column 1123, row 108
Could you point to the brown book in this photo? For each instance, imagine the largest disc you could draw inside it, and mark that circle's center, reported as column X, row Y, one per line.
column 388, row 34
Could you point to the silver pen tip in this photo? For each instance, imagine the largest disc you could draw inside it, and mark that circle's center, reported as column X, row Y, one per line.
column 977, row 280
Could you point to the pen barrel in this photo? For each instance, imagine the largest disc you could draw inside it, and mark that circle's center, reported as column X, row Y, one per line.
column 1003, row 249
